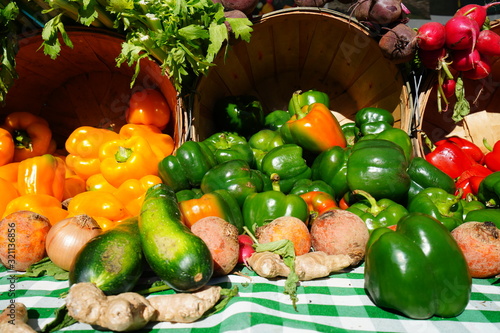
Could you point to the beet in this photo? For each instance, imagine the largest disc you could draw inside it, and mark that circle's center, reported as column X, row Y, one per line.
column 311, row 3
column 399, row 44
column 383, row 12
column 246, row 6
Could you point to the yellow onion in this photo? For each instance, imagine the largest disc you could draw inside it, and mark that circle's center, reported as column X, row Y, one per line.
column 68, row 236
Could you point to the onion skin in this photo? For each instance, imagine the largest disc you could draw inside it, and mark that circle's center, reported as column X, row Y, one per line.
column 66, row 238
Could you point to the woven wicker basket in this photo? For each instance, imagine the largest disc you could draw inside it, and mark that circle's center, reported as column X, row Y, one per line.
column 483, row 122
column 83, row 85
column 301, row 49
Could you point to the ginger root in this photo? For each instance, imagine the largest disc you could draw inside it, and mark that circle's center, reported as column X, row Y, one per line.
column 309, row 266
column 131, row 311
column 14, row 318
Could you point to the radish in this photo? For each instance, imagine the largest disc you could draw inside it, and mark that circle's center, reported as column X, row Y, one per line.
column 433, row 59
column 480, row 71
column 431, row 36
column 448, row 87
column 464, row 60
column 488, row 43
column 246, row 248
column 476, row 12
column 461, row 33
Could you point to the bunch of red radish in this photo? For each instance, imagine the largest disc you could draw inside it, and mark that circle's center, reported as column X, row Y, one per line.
column 464, row 45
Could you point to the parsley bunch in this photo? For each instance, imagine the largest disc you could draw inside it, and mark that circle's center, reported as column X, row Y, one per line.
column 8, row 46
column 183, row 35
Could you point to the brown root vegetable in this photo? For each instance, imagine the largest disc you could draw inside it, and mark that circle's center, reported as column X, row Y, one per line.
column 399, row 43
column 286, row 227
column 379, row 12
column 480, row 243
column 131, row 311
column 309, row 266
column 22, row 239
column 14, row 319
column 311, row 3
column 193, row 305
column 221, row 238
column 246, row 6
column 339, row 232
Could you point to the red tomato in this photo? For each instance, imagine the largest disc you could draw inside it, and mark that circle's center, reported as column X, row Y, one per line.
column 148, row 107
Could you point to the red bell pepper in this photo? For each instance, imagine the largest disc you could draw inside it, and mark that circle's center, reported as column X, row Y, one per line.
column 469, row 147
column 449, row 158
column 492, row 158
column 468, row 181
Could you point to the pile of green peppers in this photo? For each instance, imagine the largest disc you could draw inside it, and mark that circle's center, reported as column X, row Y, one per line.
column 413, row 265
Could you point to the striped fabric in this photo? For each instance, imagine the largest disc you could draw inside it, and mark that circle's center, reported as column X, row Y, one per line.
column 335, row 304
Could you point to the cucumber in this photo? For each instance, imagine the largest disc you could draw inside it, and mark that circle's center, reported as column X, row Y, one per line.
column 177, row 256
column 113, row 261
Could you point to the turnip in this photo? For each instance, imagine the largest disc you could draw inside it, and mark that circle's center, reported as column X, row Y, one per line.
column 431, row 36
column 461, row 33
column 399, row 43
column 488, row 43
column 476, row 12
column 464, row 60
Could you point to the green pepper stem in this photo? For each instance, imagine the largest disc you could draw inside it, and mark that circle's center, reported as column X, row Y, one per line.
column 296, row 104
column 487, row 145
column 22, row 140
column 428, row 142
column 374, row 207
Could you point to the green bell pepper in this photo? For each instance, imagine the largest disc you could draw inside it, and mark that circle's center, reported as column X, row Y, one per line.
column 185, row 169
column 417, row 270
column 261, row 208
column 378, row 167
column 275, row 119
column 302, row 186
column 288, row 163
column 377, row 214
column 306, row 98
column 470, row 203
column 242, row 114
column 228, row 146
column 331, row 167
column 183, row 195
column 399, row 137
column 351, row 133
column 262, row 142
column 237, row 178
column 423, row 174
column 489, row 190
column 484, row 215
column 445, row 207
column 372, row 120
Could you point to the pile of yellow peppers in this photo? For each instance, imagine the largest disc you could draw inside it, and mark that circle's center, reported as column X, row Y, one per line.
column 103, row 173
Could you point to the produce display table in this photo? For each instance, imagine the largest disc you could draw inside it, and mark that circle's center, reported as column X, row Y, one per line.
column 335, row 304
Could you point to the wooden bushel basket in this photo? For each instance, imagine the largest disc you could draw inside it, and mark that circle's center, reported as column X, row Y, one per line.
column 483, row 122
column 302, row 49
column 83, row 85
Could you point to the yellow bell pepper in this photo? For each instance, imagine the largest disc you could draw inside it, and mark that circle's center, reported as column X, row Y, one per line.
column 83, row 146
column 132, row 158
column 97, row 182
column 6, row 147
column 161, row 143
column 103, row 206
column 31, row 135
column 132, row 192
column 42, row 204
column 9, row 193
column 42, row 175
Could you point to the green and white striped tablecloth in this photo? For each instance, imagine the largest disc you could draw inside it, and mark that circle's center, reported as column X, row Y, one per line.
column 335, row 304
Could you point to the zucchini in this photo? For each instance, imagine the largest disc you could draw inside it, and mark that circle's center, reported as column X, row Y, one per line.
column 177, row 256
column 113, row 260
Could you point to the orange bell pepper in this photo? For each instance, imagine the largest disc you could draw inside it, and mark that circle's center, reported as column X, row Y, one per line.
column 132, row 158
column 161, row 143
column 148, row 107
column 31, row 134
column 318, row 202
column 73, row 185
column 103, row 206
column 42, row 175
column 131, row 193
column 9, row 172
column 6, row 147
column 42, row 204
column 9, row 193
column 83, row 146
